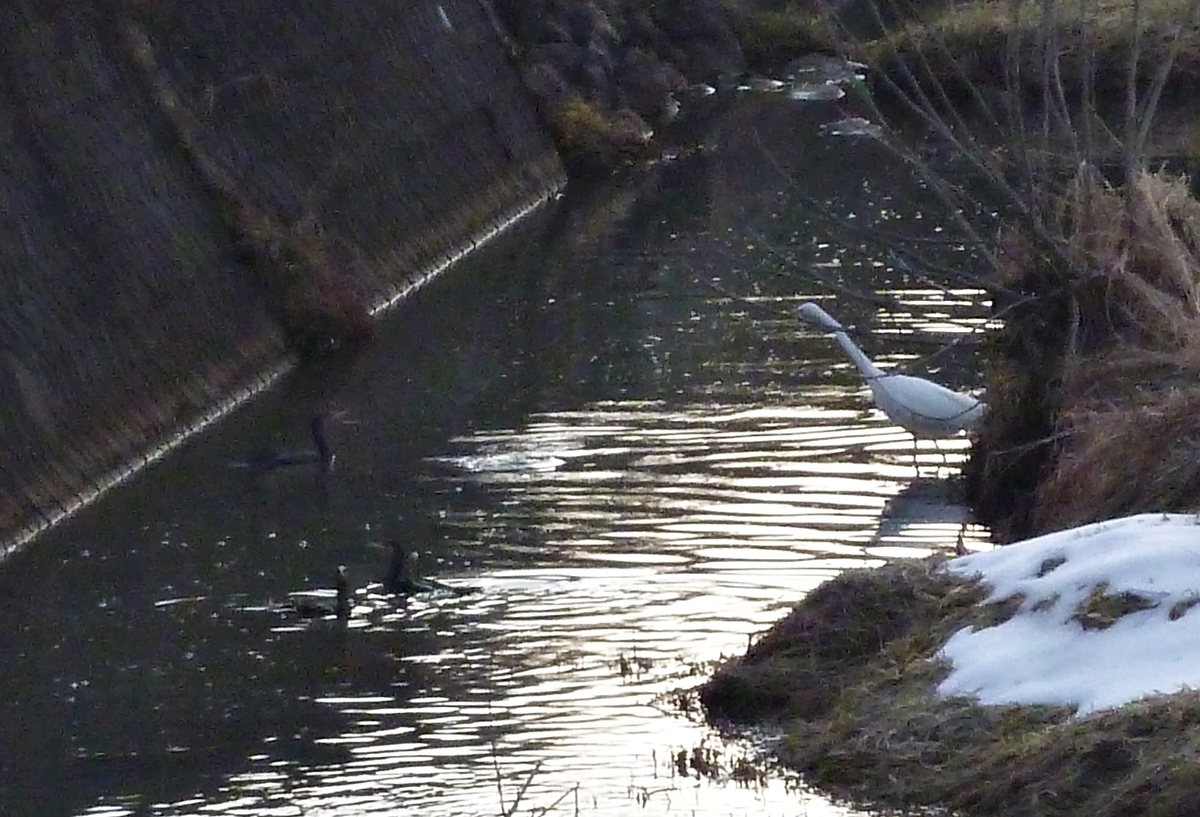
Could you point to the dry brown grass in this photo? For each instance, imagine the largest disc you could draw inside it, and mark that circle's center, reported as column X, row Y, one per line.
column 1105, row 20
column 798, row 667
column 1097, row 381
column 589, row 137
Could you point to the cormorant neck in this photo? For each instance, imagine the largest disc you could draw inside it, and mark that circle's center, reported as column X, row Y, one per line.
column 320, row 444
column 397, row 573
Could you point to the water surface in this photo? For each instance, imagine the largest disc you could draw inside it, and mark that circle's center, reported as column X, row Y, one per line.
column 607, row 424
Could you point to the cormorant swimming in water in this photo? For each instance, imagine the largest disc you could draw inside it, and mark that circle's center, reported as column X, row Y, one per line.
column 399, row 579
column 268, row 459
column 401, row 582
column 317, row 604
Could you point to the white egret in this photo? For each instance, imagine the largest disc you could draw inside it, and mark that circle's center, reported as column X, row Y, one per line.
column 919, row 406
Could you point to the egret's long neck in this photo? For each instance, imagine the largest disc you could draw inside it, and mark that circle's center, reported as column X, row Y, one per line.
column 864, row 364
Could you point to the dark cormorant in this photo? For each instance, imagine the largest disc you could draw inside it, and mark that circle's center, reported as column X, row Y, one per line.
column 268, row 459
column 401, row 582
column 399, row 579
column 317, row 604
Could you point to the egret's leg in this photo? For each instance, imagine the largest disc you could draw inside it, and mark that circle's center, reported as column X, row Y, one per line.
column 916, row 466
column 941, row 451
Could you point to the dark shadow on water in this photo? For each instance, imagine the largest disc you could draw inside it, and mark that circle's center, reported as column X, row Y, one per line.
column 152, row 730
column 924, row 503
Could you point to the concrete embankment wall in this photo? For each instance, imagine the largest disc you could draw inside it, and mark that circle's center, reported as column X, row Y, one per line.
column 192, row 193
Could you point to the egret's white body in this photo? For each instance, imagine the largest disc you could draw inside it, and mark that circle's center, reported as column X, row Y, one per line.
column 920, row 406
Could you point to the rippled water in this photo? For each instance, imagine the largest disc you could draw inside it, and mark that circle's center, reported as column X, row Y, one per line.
column 631, row 470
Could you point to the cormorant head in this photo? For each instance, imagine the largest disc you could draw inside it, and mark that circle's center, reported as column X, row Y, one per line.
column 343, row 593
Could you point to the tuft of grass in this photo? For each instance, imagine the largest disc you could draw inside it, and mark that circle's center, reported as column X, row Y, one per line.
column 1048, row 566
column 307, row 285
column 995, row 613
column 580, row 123
column 1101, row 609
column 586, row 135
column 1180, row 608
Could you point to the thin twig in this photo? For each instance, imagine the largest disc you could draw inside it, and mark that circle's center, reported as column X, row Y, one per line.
column 1131, row 105
column 524, row 787
column 499, row 784
column 542, row 811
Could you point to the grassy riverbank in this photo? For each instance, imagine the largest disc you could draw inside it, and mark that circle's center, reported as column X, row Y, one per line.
column 1094, row 380
column 850, row 677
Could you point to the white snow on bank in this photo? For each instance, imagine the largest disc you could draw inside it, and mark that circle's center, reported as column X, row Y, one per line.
column 1042, row 655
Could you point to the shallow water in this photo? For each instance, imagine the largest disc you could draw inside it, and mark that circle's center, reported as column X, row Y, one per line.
column 633, row 471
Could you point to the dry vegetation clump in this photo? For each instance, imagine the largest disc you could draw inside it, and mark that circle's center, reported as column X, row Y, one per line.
column 798, row 667
column 869, row 726
column 995, row 44
column 588, row 135
column 1096, row 380
column 305, row 278
column 1101, row 609
column 770, row 34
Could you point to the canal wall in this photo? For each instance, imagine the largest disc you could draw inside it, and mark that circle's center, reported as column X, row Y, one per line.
column 192, row 195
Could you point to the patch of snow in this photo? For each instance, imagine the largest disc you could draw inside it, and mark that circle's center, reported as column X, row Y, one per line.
column 1043, row 655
